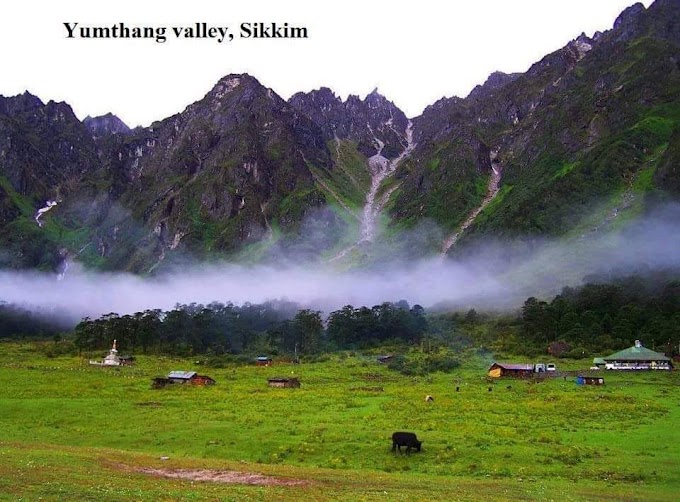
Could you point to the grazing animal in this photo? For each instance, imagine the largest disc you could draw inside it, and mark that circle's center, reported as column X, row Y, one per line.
column 429, row 399
column 407, row 439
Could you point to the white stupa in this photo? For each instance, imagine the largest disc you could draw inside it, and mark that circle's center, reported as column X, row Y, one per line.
column 111, row 359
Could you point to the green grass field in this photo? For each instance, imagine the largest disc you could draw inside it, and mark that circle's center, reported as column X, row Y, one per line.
column 75, row 432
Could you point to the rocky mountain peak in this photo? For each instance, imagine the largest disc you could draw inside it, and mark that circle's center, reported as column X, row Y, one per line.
column 105, row 124
column 582, row 45
column 325, row 93
column 324, row 98
column 229, row 99
column 626, row 26
column 663, row 20
column 233, row 81
column 369, row 121
column 20, row 103
column 494, row 81
column 628, row 15
column 376, row 100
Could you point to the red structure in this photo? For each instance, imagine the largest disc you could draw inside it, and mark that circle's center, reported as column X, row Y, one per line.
column 510, row 369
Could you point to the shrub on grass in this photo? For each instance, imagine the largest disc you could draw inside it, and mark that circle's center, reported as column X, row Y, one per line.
column 57, row 349
column 417, row 363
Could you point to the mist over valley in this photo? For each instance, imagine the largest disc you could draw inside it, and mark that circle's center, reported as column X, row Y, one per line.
column 523, row 187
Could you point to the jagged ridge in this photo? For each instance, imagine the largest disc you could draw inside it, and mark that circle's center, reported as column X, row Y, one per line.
column 244, row 169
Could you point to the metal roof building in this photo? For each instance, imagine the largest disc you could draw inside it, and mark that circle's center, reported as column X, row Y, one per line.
column 510, row 369
column 637, row 358
column 181, row 375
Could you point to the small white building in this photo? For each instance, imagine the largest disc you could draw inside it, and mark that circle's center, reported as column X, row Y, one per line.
column 111, row 359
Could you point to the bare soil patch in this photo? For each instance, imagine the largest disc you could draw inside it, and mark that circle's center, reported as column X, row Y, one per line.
column 235, row 477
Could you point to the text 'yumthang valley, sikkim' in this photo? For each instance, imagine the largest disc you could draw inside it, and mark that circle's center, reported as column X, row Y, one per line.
column 194, row 31
column 579, row 147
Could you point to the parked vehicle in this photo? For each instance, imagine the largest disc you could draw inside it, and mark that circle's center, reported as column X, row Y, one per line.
column 543, row 367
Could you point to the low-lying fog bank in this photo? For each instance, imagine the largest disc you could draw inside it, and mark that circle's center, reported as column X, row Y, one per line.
column 493, row 278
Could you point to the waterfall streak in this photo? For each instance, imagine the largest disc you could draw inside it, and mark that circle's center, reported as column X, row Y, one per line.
column 49, row 205
column 491, row 192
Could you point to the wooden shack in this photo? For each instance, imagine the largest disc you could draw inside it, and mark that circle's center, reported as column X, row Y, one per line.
column 127, row 360
column 263, row 361
column 190, row 377
column 160, row 382
column 589, row 380
column 498, row 370
column 292, row 383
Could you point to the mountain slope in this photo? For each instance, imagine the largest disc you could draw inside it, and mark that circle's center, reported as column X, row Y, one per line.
column 583, row 141
column 44, row 153
column 586, row 123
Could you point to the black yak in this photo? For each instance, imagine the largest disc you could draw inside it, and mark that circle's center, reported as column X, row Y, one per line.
column 407, row 439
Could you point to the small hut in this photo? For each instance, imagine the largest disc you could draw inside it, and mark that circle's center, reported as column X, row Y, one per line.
column 589, row 380
column 498, row 370
column 263, row 361
column 190, row 377
column 160, row 382
column 127, row 360
column 292, row 383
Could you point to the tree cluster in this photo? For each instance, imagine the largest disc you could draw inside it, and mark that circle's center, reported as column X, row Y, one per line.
column 18, row 322
column 600, row 317
column 216, row 328
column 352, row 327
column 272, row 327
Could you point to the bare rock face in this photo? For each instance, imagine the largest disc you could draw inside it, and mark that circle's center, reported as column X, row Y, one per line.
column 44, row 149
column 568, row 109
column 626, row 25
column 105, row 124
column 202, row 177
column 374, row 122
column 495, row 81
column 242, row 164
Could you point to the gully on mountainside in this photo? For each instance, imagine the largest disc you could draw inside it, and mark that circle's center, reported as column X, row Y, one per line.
column 491, row 192
column 380, row 168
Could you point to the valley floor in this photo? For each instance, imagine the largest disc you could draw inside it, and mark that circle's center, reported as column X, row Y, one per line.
column 75, row 432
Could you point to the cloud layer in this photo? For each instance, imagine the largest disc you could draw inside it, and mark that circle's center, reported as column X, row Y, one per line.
column 498, row 275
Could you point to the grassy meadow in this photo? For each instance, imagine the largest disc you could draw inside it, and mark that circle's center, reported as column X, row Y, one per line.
column 75, row 432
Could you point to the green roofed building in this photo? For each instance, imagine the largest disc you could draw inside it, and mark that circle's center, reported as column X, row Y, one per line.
column 637, row 358
column 598, row 363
